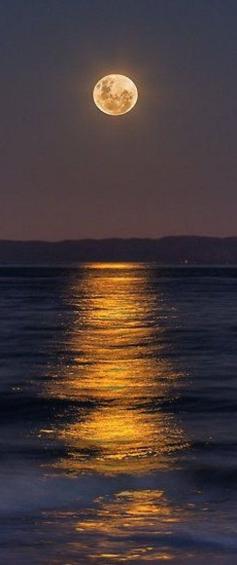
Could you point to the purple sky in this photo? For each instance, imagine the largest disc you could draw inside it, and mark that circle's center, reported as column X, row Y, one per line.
column 168, row 167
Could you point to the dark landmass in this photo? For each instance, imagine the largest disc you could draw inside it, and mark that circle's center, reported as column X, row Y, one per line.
column 167, row 250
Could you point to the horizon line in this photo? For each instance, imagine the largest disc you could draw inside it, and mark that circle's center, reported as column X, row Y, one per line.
column 118, row 238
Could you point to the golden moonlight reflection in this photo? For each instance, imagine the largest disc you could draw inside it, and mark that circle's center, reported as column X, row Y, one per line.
column 119, row 376
column 127, row 526
column 128, row 513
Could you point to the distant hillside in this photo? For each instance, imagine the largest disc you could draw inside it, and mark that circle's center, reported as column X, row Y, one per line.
column 166, row 250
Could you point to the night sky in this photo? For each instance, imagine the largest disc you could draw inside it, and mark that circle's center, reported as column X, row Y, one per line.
column 168, row 167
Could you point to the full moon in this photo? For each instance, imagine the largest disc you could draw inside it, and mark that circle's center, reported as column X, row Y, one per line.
column 115, row 95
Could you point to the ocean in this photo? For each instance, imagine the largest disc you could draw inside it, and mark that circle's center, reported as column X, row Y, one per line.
column 118, row 414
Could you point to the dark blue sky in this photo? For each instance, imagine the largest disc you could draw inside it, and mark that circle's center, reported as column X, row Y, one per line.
column 168, row 167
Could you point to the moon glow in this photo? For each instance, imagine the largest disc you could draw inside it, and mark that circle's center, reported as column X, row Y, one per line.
column 115, row 94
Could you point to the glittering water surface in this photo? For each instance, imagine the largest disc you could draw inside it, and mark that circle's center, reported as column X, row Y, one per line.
column 118, row 414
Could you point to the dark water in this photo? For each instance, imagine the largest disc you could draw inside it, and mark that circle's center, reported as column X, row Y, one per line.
column 118, row 414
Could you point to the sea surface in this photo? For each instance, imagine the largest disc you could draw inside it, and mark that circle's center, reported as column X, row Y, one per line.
column 118, row 414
